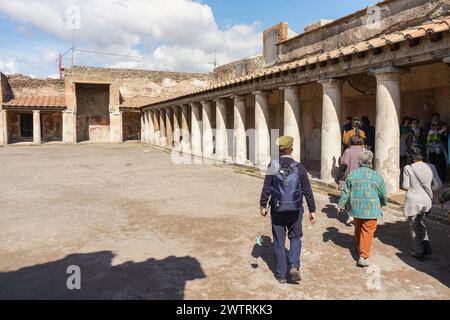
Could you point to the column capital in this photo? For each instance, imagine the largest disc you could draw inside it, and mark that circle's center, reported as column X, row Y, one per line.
column 388, row 73
column 446, row 60
column 240, row 98
column 194, row 104
column 220, row 99
column 36, row 111
column 290, row 87
column 206, row 102
column 331, row 83
column 263, row 93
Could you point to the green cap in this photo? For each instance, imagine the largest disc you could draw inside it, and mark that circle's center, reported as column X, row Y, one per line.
column 285, row 143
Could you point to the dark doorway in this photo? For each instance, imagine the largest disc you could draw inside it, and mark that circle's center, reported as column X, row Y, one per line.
column 93, row 123
column 26, row 125
column 131, row 126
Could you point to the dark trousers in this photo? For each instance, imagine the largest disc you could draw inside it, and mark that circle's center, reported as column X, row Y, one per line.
column 439, row 161
column 419, row 233
column 290, row 224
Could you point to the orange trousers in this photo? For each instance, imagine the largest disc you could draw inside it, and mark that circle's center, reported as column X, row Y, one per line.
column 364, row 233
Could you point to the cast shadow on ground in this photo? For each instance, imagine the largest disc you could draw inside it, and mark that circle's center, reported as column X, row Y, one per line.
column 437, row 266
column 266, row 254
column 331, row 212
column 100, row 280
column 342, row 240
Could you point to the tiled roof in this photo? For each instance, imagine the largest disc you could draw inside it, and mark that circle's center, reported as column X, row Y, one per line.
column 52, row 102
column 379, row 42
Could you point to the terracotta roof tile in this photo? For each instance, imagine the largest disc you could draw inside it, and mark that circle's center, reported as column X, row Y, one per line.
column 379, row 42
column 376, row 43
column 37, row 102
column 394, row 38
column 418, row 33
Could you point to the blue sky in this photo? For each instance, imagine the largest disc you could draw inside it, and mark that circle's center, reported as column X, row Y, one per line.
column 177, row 35
column 297, row 13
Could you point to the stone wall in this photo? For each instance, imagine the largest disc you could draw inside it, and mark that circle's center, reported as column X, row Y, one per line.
column 134, row 88
column 395, row 15
column 26, row 86
column 237, row 69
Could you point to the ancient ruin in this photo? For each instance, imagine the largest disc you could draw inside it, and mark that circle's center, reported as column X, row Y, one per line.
column 304, row 85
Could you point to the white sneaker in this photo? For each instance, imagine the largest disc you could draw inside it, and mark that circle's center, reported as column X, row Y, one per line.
column 363, row 263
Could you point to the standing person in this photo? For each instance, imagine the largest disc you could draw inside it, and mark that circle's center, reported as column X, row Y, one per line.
column 348, row 126
column 417, row 134
column 349, row 162
column 285, row 185
column 405, row 141
column 445, row 141
column 369, row 130
column 365, row 193
column 356, row 131
column 405, row 126
column 437, row 155
column 420, row 180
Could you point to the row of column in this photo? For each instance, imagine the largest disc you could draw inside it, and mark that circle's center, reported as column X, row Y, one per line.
column 158, row 126
column 161, row 127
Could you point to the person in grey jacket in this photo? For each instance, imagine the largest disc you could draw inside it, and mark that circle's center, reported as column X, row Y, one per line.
column 420, row 181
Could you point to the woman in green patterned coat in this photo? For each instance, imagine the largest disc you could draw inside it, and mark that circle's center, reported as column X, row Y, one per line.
column 365, row 192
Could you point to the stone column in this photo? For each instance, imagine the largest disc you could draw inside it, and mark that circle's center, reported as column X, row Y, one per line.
column 240, row 135
column 387, row 139
column 331, row 129
column 157, row 133
column 143, row 127
column 196, row 134
column 162, row 127
column 263, row 143
column 150, row 127
column 116, row 127
column 176, row 128
column 221, row 131
column 169, row 127
column 3, row 127
column 36, row 126
column 292, row 114
column 185, row 131
column 208, row 136
column 69, row 127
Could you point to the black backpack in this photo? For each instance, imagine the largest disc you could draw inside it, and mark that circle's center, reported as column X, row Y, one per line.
column 286, row 188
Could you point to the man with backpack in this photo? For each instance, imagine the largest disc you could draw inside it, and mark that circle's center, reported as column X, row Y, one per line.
column 285, row 185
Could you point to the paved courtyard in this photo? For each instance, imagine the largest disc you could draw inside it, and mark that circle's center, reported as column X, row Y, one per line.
column 140, row 227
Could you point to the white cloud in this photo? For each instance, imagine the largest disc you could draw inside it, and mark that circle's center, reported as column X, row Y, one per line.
column 8, row 67
column 178, row 35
